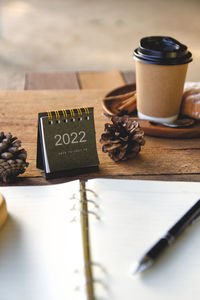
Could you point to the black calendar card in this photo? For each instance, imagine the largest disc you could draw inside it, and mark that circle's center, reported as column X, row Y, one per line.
column 66, row 142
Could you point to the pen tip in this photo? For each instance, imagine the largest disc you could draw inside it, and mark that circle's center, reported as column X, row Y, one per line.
column 145, row 263
column 137, row 269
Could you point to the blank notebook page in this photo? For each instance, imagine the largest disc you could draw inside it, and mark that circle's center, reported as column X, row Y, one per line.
column 134, row 215
column 41, row 255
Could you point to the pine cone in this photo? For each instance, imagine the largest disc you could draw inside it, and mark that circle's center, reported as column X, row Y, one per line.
column 12, row 159
column 122, row 139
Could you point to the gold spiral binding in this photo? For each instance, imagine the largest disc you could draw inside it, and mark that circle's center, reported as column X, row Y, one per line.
column 83, row 214
column 79, row 112
column 87, row 112
column 91, row 201
column 86, row 238
column 90, row 282
column 68, row 112
column 74, row 207
column 80, row 287
column 74, row 197
column 64, row 112
column 91, row 191
column 72, row 113
column 98, row 265
column 75, row 218
column 57, row 115
column 97, row 281
column 50, row 118
column 86, row 212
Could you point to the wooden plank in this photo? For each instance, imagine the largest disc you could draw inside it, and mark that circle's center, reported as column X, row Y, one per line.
column 51, row 81
column 12, row 81
column 129, row 77
column 100, row 80
column 159, row 157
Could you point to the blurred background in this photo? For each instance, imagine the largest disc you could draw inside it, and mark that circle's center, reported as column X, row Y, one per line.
column 77, row 35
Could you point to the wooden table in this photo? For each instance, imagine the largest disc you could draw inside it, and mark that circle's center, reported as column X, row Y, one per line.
column 160, row 158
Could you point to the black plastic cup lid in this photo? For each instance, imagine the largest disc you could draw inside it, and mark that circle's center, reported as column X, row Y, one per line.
column 161, row 50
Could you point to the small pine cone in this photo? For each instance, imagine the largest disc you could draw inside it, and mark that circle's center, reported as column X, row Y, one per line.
column 12, row 158
column 122, row 139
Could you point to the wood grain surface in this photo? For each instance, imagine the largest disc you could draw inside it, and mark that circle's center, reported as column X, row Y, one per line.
column 160, row 159
column 19, row 112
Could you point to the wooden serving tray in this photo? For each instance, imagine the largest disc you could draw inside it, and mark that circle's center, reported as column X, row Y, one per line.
column 167, row 132
column 155, row 130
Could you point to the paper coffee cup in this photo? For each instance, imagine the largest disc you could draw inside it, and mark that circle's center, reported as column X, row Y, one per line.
column 161, row 67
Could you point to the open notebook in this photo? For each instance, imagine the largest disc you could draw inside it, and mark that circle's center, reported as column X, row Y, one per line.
column 47, row 245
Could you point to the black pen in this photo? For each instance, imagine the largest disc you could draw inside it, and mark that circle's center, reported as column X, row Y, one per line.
column 151, row 256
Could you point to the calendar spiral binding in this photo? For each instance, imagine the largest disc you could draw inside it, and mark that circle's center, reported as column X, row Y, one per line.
column 68, row 114
column 78, row 202
column 81, row 206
